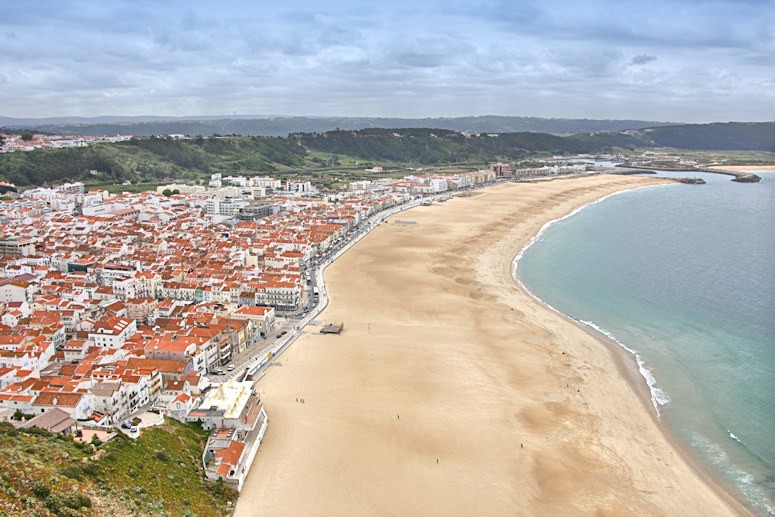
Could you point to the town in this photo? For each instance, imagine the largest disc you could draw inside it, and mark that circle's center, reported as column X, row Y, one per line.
column 28, row 141
column 115, row 309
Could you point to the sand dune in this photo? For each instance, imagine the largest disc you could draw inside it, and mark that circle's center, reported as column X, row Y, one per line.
column 452, row 392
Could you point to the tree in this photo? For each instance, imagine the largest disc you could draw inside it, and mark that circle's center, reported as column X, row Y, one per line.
column 166, row 192
column 27, row 136
column 175, row 192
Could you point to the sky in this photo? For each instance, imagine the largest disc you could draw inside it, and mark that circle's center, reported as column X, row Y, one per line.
column 658, row 60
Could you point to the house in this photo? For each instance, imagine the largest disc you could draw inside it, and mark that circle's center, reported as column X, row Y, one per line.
column 110, row 400
column 54, row 420
column 77, row 405
column 180, row 407
column 19, row 288
column 263, row 318
column 112, row 332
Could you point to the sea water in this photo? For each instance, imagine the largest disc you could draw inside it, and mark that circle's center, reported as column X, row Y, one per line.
column 683, row 277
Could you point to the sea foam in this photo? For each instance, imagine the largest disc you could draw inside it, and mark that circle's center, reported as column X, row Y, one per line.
column 658, row 396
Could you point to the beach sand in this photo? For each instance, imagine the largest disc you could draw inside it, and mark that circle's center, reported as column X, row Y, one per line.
column 453, row 392
column 745, row 168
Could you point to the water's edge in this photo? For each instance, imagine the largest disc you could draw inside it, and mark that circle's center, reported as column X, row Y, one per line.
column 633, row 368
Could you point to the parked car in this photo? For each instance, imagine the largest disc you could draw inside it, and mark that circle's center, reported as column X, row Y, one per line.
column 230, row 368
column 133, row 429
column 126, row 425
column 284, row 332
column 220, row 372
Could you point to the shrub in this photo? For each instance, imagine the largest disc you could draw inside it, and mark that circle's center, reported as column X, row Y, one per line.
column 72, row 471
column 41, row 490
column 63, row 504
column 90, row 469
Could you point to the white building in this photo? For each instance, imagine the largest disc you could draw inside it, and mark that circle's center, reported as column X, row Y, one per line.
column 298, row 186
column 111, row 332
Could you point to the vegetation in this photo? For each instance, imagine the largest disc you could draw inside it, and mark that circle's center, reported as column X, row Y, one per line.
column 150, row 160
column 741, row 136
column 324, row 156
column 160, row 474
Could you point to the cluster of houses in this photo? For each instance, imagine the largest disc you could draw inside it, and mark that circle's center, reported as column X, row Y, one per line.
column 30, row 142
column 111, row 305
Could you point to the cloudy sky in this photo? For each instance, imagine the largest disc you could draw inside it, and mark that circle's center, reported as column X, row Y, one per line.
column 666, row 60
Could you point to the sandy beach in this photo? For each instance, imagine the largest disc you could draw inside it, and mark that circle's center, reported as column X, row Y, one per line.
column 745, row 168
column 453, row 392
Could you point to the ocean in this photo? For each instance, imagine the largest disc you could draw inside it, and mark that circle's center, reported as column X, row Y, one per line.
column 683, row 277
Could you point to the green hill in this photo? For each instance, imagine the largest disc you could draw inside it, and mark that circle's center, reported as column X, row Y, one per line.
column 150, row 159
column 731, row 136
column 154, row 160
column 432, row 146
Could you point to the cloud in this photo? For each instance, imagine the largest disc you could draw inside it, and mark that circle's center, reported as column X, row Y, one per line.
column 399, row 58
column 642, row 59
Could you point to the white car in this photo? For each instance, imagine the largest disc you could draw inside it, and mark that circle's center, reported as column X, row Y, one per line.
column 230, row 368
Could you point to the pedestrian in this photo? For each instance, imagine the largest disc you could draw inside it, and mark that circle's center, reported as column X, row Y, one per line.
column 437, row 461
column 521, row 446
column 398, row 417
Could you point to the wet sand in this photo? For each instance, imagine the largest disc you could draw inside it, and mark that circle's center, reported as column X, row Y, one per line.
column 453, row 392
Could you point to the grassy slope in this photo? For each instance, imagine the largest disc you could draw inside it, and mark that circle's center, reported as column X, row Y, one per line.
column 40, row 472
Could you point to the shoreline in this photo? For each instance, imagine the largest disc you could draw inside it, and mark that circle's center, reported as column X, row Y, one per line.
column 630, row 367
column 657, row 396
column 514, row 393
column 744, row 168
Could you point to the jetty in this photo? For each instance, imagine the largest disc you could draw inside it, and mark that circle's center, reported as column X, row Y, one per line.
column 741, row 177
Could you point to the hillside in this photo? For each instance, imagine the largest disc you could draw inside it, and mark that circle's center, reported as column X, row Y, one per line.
column 154, row 160
column 737, row 136
column 45, row 474
column 432, row 146
column 159, row 159
column 150, row 159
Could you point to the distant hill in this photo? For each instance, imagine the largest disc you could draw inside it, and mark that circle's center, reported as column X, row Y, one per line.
column 432, row 146
column 282, row 126
column 731, row 136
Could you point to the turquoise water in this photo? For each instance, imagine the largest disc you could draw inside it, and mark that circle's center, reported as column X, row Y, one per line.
column 683, row 276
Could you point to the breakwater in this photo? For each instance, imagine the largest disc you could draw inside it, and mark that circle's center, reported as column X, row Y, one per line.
column 741, row 177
